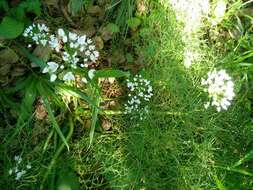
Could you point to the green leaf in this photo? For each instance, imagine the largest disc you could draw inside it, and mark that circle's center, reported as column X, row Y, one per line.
column 4, row 5
column 31, row 57
column 10, row 28
column 33, row 6
column 18, row 12
column 113, row 28
column 74, row 92
column 106, row 73
column 53, row 120
column 133, row 22
column 75, row 6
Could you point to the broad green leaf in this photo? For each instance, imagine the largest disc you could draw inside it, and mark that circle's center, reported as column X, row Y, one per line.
column 105, row 73
column 53, row 120
column 133, row 22
column 113, row 28
column 31, row 57
column 10, row 28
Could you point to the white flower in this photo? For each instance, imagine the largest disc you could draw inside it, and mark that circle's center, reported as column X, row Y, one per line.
column 82, row 40
column 68, row 76
column 91, row 73
column 220, row 88
column 61, row 32
column 51, row 68
column 141, row 92
column 54, row 43
column 28, row 166
column 53, row 77
column 10, row 171
column 18, row 176
column 72, row 36
column 43, row 42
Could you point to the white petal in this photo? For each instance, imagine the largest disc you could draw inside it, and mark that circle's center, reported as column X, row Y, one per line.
column 61, row 32
column 84, row 80
column 53, row 77
column 91, row 73
column 45, row 70
column 72, row 36
column 52, row 66
column 68, row 76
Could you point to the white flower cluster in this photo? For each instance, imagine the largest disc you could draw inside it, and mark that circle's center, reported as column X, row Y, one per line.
column 220, row 88
column 38, row 33
column 76, row 51
column 19, row 170
column 140, row 92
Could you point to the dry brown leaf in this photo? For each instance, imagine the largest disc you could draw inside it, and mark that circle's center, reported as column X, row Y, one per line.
column 106, row 124
column 40, row 112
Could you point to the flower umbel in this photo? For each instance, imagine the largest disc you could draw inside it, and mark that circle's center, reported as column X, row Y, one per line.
column 220, row 88
column 19, row 170
column 140, row 92
column 76, row 51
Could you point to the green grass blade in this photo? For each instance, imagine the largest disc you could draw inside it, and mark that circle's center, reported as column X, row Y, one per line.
column 111, row 73
column 219, row 183
column 240, row 171
column 246, row 158
column 53, row 120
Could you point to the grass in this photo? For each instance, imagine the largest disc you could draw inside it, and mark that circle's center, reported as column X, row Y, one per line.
column 179, row 145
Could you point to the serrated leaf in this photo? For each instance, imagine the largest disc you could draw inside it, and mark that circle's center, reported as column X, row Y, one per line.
column 106, row 73
column 10, row 28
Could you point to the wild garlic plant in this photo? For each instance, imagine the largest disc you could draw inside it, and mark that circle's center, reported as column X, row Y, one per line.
column 76, row 51
column 220, row 89
column 140, row 92
column 20, row 169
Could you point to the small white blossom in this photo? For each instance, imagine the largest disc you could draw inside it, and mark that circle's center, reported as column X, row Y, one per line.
column 53, row 77
column 220, row 88
column 68, row 76
column 72, row 36
column 10, row 171
column 91, row 73
column 51, row 67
